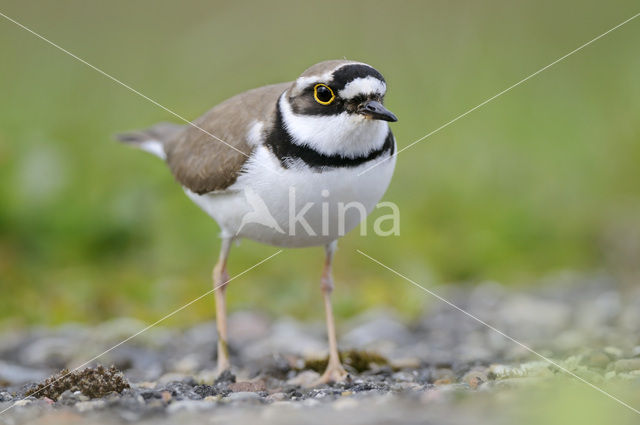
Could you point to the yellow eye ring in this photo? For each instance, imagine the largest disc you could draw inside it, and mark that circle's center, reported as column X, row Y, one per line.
column 322, row 99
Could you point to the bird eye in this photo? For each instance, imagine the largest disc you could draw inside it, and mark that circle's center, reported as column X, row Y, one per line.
column 323, row 94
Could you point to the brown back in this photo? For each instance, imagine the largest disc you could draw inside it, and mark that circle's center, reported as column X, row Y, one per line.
column 203, row 164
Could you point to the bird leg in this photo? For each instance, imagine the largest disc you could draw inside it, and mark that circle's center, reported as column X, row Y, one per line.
column 335, row 372
column 220, row 279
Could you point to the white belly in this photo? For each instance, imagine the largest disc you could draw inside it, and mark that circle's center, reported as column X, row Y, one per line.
column 296, row 207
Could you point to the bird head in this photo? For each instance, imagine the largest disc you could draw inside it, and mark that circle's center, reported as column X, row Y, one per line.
column 337, row 107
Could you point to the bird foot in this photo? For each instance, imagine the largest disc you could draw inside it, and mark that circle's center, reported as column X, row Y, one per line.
column 334, row 373
column 225, row 376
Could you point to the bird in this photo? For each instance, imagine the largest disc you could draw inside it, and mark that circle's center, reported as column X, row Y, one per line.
column 284, row 165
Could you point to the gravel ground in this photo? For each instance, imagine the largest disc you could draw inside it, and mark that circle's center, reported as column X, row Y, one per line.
column 443, row 367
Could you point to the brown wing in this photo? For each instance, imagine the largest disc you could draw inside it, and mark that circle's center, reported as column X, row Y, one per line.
column 204, row 164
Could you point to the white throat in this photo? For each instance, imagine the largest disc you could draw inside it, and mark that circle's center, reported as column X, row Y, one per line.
column 349, row 135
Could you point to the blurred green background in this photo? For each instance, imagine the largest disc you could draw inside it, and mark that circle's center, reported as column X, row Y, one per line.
column 544, row 178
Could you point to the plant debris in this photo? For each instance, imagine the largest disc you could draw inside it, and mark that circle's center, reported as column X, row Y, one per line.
column 359, row 360
column 92, row 382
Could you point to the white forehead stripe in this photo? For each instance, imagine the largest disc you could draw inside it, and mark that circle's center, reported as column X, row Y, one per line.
column 303, row 82
column 365, row 86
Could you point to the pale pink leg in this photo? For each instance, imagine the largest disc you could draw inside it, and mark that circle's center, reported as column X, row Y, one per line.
column 335, row 372
column 220, row 279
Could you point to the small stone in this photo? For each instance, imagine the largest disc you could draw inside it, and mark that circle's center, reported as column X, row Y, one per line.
column 248, row 326
column 513, row 383
column 213, row 398
column 533, row 368
column 406, row 363
column 374, row 331
column 287, row 337
column 613, row 352
column 248, row 386
column 408, row 386
column 433, row 395
column 155, row 404
column 145, row 384
column 5, row 396
column 310, row 402
column 182, row 390
column 188, row 405
column 207, row 376
column 628, row 376
column 442, row 381
column 320, row 394
column 346, row 393
column 596, row 358
column 23, row 402
column 67, row 395
column 87, row 406
column 244, row 397
column 444, row 373
column 403, row 377
column 188, row 364
column 345, row 403
column 16, row 374
column 81, row 397
column 225, row 377
column 278, row 406
column 304, row 379
column 277, row 397
column 165, row 396
column 474, row 378
column 167, row 378
column 627, row 365
column 498, row 371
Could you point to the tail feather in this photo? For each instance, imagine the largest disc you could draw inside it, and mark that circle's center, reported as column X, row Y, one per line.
column 153, row 138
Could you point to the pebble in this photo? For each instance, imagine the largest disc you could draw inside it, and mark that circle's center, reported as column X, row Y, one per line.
column 345, row 403
column 406, row 363
column 508, row 383
column 304, row 379
column 475, row 378
column 432, row 360
column 534, row 368
column 443, row 377
column 188, row 364
column 627, row 365
column 310, row 402
column 69, row 397
column 403, row 376
column 277, row 397
column 596, row 358
column 188, row 405
column 613, row 352
column 166, row 396
column 244, row 396
column 376, row 328
column 14, row 374
column 171, row 377
column 246, row 386
column 86, row 406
